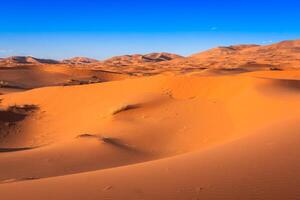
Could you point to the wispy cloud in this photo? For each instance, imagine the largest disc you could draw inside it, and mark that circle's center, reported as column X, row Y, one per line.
column 5, row 51
column 267, row 42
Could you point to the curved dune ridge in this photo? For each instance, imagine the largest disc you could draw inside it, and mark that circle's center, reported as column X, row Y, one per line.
column 193, row 136
column 26, row 77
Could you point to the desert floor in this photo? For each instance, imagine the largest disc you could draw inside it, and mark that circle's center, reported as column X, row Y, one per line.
column 194, row 136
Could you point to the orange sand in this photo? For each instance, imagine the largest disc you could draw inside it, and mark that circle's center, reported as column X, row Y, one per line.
column 193, row 136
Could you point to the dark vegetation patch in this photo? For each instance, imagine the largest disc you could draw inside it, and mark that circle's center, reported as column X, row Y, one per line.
column 11, row 119
column 92, row 80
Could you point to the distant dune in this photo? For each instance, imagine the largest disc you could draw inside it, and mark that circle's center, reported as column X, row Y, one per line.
column 34, row 76
column 25, row 60
column 221, row 124
column 283, row 55
column 250, row 57
column 140, row 59
column 253, row 57
column 79, row 60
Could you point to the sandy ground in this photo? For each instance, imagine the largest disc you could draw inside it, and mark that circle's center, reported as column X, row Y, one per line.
column 207, row 135
column 27, row 77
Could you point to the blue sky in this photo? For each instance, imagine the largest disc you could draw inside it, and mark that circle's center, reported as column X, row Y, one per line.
column 100, row 29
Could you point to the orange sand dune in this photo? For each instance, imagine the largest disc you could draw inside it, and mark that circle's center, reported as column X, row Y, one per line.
column 33, row 76
column 193, row 136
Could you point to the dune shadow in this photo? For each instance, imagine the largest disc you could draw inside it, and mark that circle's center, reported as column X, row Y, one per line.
column 86, row 135
column 7, row 150
column 13, row 180
column 289, row 84
column 117, row 143
column 108, row 140
column 285, row 84
column 124, row 108
column 280, row 85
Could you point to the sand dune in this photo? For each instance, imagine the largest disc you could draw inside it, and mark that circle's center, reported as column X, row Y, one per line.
column 14, row 60
column 278, row 56
column 79, row 60
column 137, row 59
column 30, row 76
column 283, row 55
column 221, row 124
column 190, row 136
column 243, row 58
column 254, row 167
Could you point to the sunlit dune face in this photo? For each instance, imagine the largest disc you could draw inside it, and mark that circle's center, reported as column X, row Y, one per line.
column 158, row 126
column 138, row 120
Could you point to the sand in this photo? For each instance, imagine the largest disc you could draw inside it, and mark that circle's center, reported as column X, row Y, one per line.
column 219, row 125
column 30, row 76
column 192, row 136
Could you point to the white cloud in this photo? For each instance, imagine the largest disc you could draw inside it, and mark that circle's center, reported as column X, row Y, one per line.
column 5, row 51
column 267, row 42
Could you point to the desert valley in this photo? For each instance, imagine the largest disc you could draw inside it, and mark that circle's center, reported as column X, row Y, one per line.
column 219, row 124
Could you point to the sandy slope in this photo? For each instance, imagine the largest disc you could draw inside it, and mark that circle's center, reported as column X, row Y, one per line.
column 34, row 76
column 203, row 137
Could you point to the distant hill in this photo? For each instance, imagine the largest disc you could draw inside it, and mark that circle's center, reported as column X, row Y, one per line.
column 141, row 59
column 284, row 54
column 27, row 60
column 79, row 60
column 32, row 60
